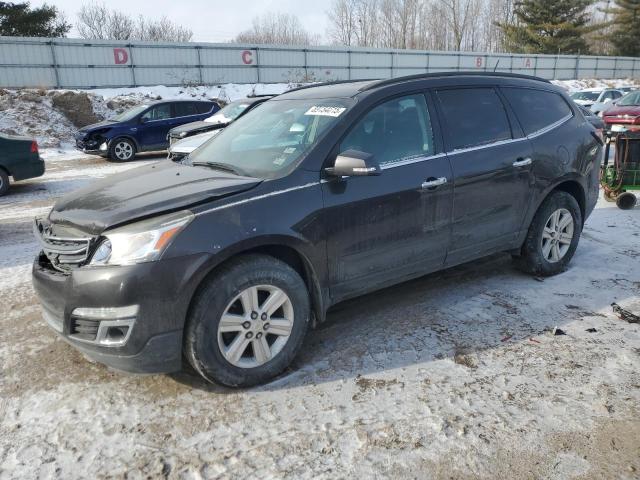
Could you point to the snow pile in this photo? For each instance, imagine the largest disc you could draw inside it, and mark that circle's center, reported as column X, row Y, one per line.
column 573, row 85
column 52, row 116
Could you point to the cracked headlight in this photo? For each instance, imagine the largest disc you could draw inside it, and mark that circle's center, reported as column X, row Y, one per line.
column 140, row 242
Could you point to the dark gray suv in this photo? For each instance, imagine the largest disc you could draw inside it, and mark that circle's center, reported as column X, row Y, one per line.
column 322, row 194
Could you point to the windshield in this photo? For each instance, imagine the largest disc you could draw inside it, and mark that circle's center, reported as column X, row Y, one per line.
column 632, row 98
column 585, row 96
column 269, row 141
column 129, row 114
column 228, row 113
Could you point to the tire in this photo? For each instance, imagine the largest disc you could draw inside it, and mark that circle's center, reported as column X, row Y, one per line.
column 210, row 351
column 4, row 182
column 538, row 255
column 626, row 201
column 122, row 150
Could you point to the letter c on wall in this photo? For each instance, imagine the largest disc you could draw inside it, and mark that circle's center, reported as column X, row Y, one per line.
column 120, row 56
column 247, row 57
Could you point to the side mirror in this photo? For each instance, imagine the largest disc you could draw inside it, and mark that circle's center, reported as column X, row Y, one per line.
column 354, row 163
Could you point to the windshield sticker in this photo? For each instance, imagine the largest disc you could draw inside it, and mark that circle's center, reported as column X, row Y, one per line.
column 289, row 150
column 326, row 111
column 279, row 161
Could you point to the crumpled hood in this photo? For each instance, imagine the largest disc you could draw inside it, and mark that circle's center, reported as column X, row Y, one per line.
column 143, row 192
column 95, row 126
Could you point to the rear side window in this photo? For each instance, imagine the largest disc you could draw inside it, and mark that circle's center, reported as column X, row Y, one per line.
column 536, row 109
column 393, row 131
column 202, row 107
column 159, row 112
column 184, row 109
column 474, row 116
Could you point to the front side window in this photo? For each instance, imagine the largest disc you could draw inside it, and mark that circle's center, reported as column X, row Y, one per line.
column 536, row 109
column 159, row 112
column 393, row 131
column 271, row 140
column 474, row 116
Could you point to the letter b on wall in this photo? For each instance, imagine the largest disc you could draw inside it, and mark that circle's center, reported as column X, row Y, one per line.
column 120, row 56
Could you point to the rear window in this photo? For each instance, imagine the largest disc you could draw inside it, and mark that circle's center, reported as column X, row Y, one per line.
column 536, row 109
column 474, row 116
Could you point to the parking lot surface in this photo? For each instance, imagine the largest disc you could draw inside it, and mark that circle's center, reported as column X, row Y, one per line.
column 454, row 375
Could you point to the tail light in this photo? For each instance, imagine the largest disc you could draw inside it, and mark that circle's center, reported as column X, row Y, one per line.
column 636, row 121
column 34, row 147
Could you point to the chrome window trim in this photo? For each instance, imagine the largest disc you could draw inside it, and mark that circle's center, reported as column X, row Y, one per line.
column 411, row 160
column 487, row 145
column 548, row 128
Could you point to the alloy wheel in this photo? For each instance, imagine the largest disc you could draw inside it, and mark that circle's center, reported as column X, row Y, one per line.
column 123, row 150
column 557, row 235
column 255, row 326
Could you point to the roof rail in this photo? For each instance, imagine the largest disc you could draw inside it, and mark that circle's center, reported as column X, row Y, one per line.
column 392, row 81
column 335, row 82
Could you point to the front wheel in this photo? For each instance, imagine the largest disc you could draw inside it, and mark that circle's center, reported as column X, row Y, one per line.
column 122, row 149
column 4, row 182
column 247, row 322
column 553, row 236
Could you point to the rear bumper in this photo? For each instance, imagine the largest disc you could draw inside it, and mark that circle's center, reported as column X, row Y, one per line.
column 160, row 292
column 30, row 169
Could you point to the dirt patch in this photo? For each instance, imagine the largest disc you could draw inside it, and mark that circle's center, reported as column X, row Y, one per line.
column 76, row 106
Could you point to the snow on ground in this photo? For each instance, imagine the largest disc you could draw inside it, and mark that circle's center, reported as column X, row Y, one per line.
column 453, row 375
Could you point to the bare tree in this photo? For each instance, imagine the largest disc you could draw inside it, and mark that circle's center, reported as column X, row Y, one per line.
column 97, row 21
column 277, row 29
column 421, row 24
column 342, row 20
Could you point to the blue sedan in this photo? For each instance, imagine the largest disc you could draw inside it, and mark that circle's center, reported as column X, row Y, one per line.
column 142, row 128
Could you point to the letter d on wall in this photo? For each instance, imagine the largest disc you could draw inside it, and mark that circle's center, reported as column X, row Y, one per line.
column 120, row 56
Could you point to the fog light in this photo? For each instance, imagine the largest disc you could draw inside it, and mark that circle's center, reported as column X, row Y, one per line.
column 114, row 324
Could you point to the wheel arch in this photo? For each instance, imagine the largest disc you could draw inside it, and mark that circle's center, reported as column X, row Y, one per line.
column 126, row 136
column 286, row 253
column 5, row 170
column 570, row 185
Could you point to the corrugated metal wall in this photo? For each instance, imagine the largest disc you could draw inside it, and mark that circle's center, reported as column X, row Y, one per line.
column 75, row 63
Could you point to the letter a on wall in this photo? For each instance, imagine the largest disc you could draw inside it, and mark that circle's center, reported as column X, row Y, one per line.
column 120, row 56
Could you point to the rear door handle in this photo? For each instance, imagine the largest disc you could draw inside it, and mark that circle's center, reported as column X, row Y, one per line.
column 433, row 183
column 522, row 163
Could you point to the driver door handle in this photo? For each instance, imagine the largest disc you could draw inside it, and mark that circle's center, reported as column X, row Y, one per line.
column 434, row 182
column 522, row 162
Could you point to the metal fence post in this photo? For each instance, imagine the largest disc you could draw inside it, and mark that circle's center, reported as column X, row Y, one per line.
column 577, row 67
column 54, row 64
column 391, row 53
column 428, row 59
column 198, row 48
column 349, row 64
column 132, row 65
column 615, row 67
column 257, row 64
column 555, row 67
column 306, row 70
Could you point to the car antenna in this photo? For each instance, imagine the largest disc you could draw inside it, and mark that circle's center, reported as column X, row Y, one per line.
column 496, row 67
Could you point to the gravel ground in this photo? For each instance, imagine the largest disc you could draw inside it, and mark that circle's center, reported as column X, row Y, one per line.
column 451, row 376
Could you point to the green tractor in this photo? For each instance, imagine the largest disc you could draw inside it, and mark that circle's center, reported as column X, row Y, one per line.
column 622, row 175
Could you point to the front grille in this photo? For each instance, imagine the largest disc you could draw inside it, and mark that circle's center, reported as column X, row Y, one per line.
column 84, row 329
column 64, row 253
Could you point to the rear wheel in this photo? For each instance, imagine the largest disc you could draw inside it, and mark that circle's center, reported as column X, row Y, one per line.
column 553, row 236
column 626, row 201
column 122, row 149
column 4, row 182
column 247, row 322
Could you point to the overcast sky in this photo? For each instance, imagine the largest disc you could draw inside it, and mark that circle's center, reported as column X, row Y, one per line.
column 210, row 20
